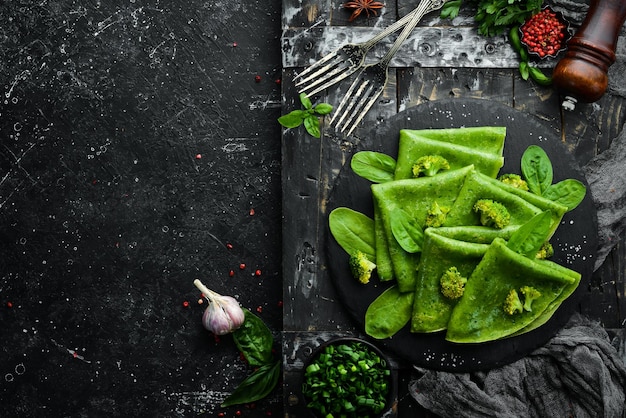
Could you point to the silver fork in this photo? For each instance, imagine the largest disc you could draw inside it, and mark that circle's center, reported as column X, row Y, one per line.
column 342, row 62
column 371, row 81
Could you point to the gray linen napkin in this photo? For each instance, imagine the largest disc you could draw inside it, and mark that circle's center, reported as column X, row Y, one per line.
column 607, row 183
column 578, row 373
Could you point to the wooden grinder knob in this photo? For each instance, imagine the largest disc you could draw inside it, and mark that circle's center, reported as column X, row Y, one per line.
column 582, row 74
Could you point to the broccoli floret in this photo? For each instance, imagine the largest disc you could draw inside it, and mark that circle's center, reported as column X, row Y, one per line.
column 492, row 213
column 546, row 251
column 436, row 215
column 429, row 165
column 514, row 180
column 512, row 303
column 361, row 267
column 530, row 294
column 452, row 283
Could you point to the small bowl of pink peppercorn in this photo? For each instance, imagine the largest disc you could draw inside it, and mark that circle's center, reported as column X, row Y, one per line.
column 545, row 34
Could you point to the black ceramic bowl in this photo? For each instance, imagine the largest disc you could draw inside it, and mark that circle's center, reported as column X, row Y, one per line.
column 358, row 344
column 564, row 35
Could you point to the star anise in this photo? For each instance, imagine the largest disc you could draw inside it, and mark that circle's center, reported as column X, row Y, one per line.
column 362, row 5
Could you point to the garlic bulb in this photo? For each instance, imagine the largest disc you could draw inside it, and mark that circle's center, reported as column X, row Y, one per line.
column 223, row 315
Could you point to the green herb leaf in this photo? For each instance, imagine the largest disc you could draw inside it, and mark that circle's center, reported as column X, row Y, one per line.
column 306, row 102
column 388, row 313
column 292, row 119
column 323, row 109
column 406, row 231
column 353, row 231
column 451, row 9
column 537, row 169
column 523, row 70
column 569, row 192
column 539, row 77
column 256, row 386
column 529, row 238
column 374, row 166
column 312, row 125
column 254, row 339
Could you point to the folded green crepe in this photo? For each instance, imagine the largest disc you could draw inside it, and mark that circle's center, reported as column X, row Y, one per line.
column 521, row 205
column 479, row 146
column 384, row 266
column 479, row 316
column 431, row 309
column 554, row 305
column 415, row 197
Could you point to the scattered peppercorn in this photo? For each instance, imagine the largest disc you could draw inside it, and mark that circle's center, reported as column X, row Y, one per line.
column 186, row 304
column 9, row 304
column 198, row 156
column 231, row 273
column 252, row 212
column 229, row 246
column 242, row 266
column 257, row 78
column 259, row 309
column 257, row 273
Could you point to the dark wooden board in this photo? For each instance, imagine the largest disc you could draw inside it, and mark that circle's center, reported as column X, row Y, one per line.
column 575, row 241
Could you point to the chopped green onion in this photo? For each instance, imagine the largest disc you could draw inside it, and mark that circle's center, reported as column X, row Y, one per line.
column 347, row 380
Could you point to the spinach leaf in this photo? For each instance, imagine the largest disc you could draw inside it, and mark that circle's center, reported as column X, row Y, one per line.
column 406, row 231
column 388, row 313
column 374, row 166
column 569, row 192
column 537, row 169
column 256, row 386
column 529, row 238
column 254, row 339
column 353, row 231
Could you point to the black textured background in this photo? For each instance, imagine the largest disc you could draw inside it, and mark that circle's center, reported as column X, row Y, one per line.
column 136, row 142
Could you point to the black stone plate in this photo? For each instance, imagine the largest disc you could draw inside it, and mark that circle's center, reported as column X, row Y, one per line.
column 574, row 242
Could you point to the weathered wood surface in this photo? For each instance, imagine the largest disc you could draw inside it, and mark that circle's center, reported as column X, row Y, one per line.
column 459, row 66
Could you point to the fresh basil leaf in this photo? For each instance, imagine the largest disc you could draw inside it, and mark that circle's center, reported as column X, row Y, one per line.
column 306, row 102
column 537, row 169
column 529, row 238
column 388, row 313
column 292, row 119
column 569, row 192
column 323, row 109
column 353, row 231
column 312, row 125
column 254, row 339
column 406, row 231
column 256, row 386
column 374, row 166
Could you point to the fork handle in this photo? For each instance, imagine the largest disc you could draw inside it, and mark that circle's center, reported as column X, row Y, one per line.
column 399, row 24
column 425, row 6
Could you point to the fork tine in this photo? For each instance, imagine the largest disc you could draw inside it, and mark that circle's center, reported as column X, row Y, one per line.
column 346, row 99
column 354, row 104
column 328, row 80
column 327, row 76
column 366, row 108
column 317, row 64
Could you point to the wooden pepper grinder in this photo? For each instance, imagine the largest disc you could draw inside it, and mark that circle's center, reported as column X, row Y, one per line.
column 582, row 74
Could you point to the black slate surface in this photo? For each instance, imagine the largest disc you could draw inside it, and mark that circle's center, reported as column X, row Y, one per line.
column 136, row 142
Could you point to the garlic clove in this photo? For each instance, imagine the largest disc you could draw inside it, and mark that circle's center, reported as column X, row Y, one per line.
column 223, row 315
